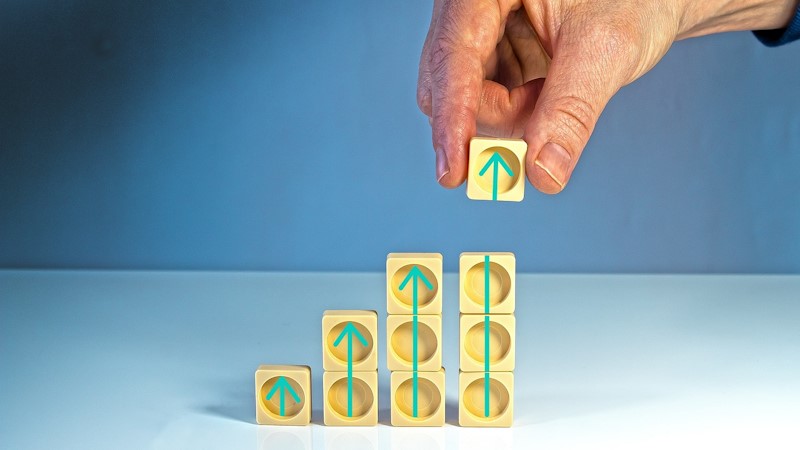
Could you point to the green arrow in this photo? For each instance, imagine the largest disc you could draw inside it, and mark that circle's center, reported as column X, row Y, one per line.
column 414, row 275
column 284, row 387
column 495, row 161
column 350, row 330
column 486, row 273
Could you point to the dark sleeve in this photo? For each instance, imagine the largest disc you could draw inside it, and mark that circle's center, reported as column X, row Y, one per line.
column 774, row 38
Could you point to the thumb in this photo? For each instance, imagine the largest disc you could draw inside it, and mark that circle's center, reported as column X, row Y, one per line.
column 584, row 74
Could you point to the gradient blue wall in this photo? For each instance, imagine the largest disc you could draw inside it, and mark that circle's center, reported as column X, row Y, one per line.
column 285, row 136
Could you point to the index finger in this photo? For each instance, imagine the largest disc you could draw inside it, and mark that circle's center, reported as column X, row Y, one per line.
column 466, row 34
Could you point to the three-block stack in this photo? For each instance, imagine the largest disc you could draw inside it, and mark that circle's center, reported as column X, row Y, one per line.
column 414, row 338
column 350, row 361
column 486, row 330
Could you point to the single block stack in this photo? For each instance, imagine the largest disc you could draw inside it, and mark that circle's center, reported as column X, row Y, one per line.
column 414, row 338
column 283, row 395
column 350, row 361
column 486, row 330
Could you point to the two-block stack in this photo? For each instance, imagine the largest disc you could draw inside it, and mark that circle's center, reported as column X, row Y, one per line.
column 350, row 361
column 414, row 338
column 486, row 330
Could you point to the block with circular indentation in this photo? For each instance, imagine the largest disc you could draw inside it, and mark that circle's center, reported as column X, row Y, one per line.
column 350, row 403
column 473, row 342
column 349, row 334
column 496, row 169
column 283, row 395
column 473, row 408
column 476, row 283
column 430, row 399
column 410, row 272
column 400, row 342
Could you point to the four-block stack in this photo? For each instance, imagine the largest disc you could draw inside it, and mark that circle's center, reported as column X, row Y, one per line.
column 486, row 331
column 414, row 338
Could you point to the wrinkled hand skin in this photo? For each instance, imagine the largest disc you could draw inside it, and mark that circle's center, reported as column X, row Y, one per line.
column 544, row 70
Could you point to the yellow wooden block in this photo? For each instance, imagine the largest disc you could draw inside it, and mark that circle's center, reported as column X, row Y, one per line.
column 400, row 283
column 341, row 328
column 400, row 339
column 500, row 158
column 283, row 395
column 472, row 340
column 364, row 397
column 473, row 287
column 430, row 399
column 472, row 410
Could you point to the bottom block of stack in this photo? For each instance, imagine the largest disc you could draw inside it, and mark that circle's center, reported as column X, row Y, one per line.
column 430, row 399
column 283, row 395
column 472, row 407
column 337, row 392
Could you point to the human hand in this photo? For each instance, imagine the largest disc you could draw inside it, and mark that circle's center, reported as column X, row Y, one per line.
column 483, row 64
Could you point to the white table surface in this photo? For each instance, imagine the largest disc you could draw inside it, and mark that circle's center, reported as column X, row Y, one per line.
column 165, row 360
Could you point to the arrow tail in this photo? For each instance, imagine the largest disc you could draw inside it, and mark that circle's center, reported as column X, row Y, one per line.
column 415, row 380
column 494, row 182
column 486, row 355
column 486, row 381
column 350, row 375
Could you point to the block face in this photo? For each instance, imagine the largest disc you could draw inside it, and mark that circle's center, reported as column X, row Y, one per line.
column 283, row 395
column 400, row 283
column 472, row 410
column 472, row 342
column 340, row 328
column 430, row 399
column 473, row 277
column 503, row 158
column 336, row 392
column 400, row 339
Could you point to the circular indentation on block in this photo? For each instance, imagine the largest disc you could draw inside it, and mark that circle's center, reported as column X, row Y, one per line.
column 402, row 342
column 499, row 284
column 405, row 297
column 363, row 398
column 474, row 399
column 272, row 406
column 504, row 182
column 429, row 398
column 360, row 352
column 499, row 342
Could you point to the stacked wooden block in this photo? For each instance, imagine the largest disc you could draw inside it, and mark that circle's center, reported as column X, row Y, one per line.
column 350, row 362
column 486, row 330
column 283, row 395
column 414, row 338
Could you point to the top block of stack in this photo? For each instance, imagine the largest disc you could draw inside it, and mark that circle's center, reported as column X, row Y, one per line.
column 408, row 271
column 349, row 335
column 473, row 283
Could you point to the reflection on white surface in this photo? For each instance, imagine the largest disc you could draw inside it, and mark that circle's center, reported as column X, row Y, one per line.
column 402, row 438
column 284, row 437
column 350, row 438
column 485, row 438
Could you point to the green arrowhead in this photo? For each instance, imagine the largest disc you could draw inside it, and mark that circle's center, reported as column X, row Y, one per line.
column 415, row 273
column 352, row 330
column 495, row 160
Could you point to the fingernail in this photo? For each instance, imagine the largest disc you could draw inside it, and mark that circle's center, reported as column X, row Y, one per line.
column 554, row 160
column 442, row 167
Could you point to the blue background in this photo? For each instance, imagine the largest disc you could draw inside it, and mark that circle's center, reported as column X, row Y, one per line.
column 285, row 136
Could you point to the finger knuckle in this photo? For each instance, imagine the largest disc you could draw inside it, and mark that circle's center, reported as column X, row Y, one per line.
column 575, row 118
column 424, row 99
